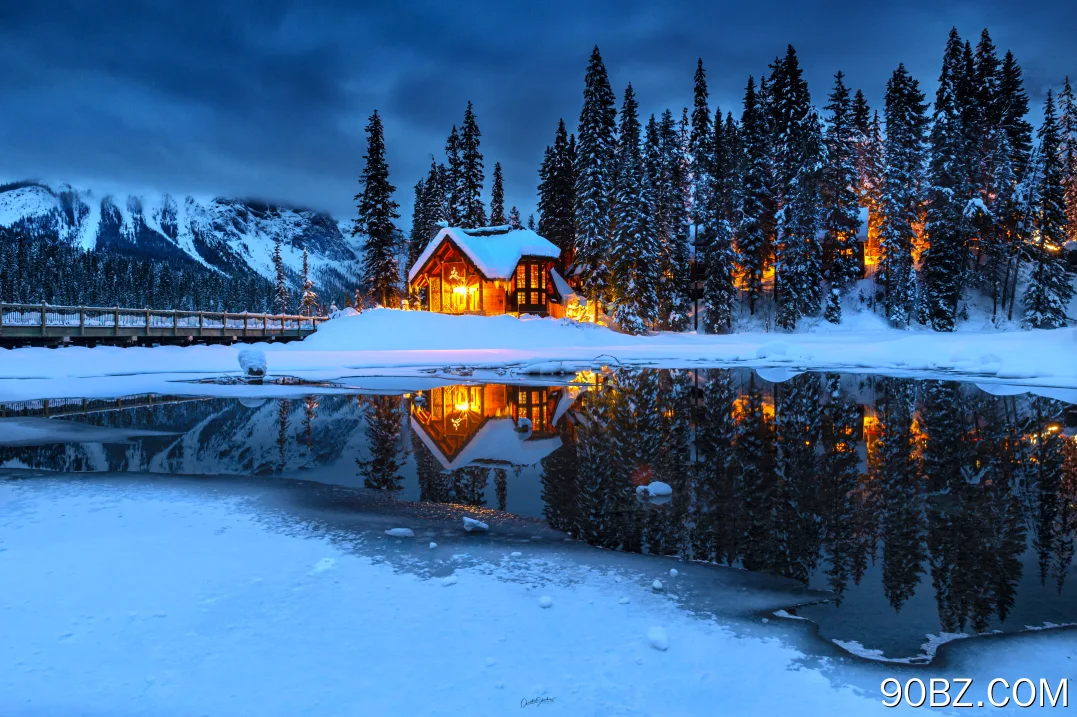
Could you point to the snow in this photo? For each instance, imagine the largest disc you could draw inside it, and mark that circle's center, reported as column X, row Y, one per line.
column 45, row 431
column 252, row 362
column 658, row 638
column 385, row 341
column 494, row 256
column 449, row 580
column 657, row 584
column 433, row 545
column 563, row 289
column 400, row 532
column 497, row 442
column 164, row 598
column 545, row 601
column 472, row 525
column 654, row 488
column 673, row 572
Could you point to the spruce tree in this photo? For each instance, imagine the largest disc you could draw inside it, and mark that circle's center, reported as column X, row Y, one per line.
column 472, row 212
column 752, row 243
column 1068, row 154
column 1012, row 109
column 309, row 300
column 280, row 293
column 419, row 218
column 672, row 222
column 557, row 194
column 1049, row 287
column 798, row 157
column 594, row 180
column 719, row 258
column 377, row 210
column 531, row 222
column 905, row 124
column 514, row 218
column 701, row 147
column 454, row 180
column 497, row 199
column 841, row 211
column 948, row 193
column 633, row 249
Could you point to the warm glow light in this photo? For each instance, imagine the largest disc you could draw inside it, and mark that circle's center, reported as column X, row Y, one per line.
column 462, row 407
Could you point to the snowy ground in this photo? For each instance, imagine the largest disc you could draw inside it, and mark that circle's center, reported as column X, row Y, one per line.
column 401, row 343
column 125, row 596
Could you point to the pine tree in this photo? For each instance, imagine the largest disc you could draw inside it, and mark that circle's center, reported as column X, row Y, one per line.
column 671, row 221
column 514, row 218
column 1050, row 288
column 798, row 154
column 633, row 249
column 701, row 147
column 454, row 180
column 905, row 125
column 419, row 222
column 841, row 212
column 948, row 193
column 377, row 210
column 1068, row 153
column 309, row 302
column 752, row 244
column 557, row 194
column 594, row 181
column 719, row 258
column 1012, row 107
column 531, row 222
column 280, row 295
column 472, row 213
column 497, row 199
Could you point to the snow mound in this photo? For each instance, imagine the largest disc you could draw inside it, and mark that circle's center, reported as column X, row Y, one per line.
column 472, row 525
column 433, row 545
column 400, row 532
column 546, row 368
column 253, row 362
column 658, row 638
column 343, row 313
column 515, row 554
column 673, row 572
column 657, row 584
column 545, row 601
column 450, row 580
column 623, row 601
column 656, row 489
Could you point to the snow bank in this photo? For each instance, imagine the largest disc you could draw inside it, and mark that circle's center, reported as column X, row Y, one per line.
column 472, row 525
column 253, row 362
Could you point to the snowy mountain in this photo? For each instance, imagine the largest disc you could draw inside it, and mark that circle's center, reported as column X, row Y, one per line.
column 226, row 235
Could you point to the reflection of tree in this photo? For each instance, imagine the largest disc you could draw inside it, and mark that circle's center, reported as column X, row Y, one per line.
column 754, row 466
column 381, row 470
column 310, row 412
column 899, row 498
column 283, row 406
column 1044, row 475
column 501, row 486
column 719, row 524
column 839, row 479
column 797, row 432
column 1065, row 525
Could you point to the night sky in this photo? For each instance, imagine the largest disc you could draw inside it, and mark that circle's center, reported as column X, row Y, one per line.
column 268, row 98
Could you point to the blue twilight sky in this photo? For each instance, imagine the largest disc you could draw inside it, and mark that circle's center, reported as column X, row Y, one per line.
column 268, row 98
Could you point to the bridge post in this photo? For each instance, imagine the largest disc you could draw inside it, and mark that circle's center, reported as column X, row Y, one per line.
column 44, row 317
column 265, row 325
column 245, row 315
column 175, row 322
column 116, row 321
column 199, row 324
column 82, row 320
column 1, row 318
column 147, row 321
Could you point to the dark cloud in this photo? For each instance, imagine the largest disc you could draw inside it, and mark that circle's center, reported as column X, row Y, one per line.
column 269, row 97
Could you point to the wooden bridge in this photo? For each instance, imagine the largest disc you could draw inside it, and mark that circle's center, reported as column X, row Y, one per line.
column 45, row 325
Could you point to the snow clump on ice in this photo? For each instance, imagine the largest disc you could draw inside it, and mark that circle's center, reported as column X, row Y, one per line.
column 545, row 601
column 400, row 533
column 471, row 525
column 658, row 638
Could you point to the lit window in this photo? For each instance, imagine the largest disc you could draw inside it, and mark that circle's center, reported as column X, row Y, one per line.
column 534, row 276
column 521, row 275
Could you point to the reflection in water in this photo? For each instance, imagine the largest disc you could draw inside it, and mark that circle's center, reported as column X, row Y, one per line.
column 853, row 483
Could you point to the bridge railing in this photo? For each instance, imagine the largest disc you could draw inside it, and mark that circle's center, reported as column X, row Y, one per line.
column 92, row 319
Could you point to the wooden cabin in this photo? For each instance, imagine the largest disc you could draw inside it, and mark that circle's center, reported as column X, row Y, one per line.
column 490, row 271
column 482, row 425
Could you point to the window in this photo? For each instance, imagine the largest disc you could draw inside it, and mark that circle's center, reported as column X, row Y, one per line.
column 530, row 286
column 521, row 276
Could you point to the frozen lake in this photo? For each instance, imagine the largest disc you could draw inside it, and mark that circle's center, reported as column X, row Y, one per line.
column 919, row 511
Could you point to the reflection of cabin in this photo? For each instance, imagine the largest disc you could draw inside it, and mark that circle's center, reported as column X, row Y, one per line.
column 478, row 425
column 491, row 270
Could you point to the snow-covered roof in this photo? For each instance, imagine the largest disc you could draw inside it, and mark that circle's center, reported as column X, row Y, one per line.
column 563, row 289
column 1071, row 245
column 496, row 442
column 495, row 251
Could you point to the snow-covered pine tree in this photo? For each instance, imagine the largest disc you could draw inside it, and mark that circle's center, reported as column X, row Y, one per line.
column 948, row 194
column 841, row 210
column 514, row 218
column 531, row 222
column 634, row 251
column 905, row 125
column 796, row 138
column 673, row 223
column 497, row 199
column 752, row 243
column 377, row 210
column 557, row 194
column 1012, row 110
column 701, row 147
column 309, row 300
column 454, row 179
column 1049, row 288
column 417, row 239
column 472, row 213
column 719, row 259
column 1067, row 106
column 280, row 286
column 594, row 180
